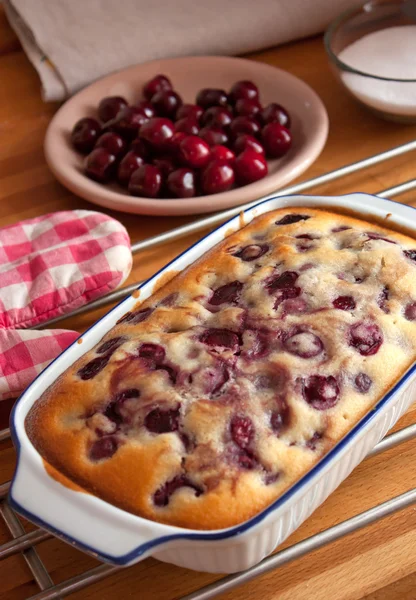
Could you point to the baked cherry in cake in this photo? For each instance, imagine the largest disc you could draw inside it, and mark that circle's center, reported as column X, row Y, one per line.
column 213, row 396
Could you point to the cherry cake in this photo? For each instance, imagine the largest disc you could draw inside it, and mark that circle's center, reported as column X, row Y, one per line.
column 212, row 397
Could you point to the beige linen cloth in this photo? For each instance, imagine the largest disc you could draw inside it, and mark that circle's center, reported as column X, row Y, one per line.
column 73, row 42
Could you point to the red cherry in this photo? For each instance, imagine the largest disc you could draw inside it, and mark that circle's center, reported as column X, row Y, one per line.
column 84, row 134
column 187, row 125
column 181, row 183
column 243, row 89
column 109, row 107
column 275, row 113
column 211, row 97
column 162, row 421
column 214, row 136
column 189, row 110
column 344, row 303
column 112, row 142
column 139, row 147
column 175, row 140
column 100, row 165
column 166, row 103
column 321, row 392
column 241, row 125
column 158, row 132
column 250, row 166
column 247, row 108
column 130, row 163
column 146, row 181
column 276, row 140
column 147, row 108
column 157, row 84
column 194, row 152
column 228, row 293
column 165, row 164
column 216, row 116
column 242, row 431
column 217, row 177
column 222, row 153
column 366, row 338
column 128, row 122
column 247, row 142
column 223, row 338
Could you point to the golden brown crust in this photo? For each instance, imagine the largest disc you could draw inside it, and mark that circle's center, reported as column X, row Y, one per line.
column 214, row 401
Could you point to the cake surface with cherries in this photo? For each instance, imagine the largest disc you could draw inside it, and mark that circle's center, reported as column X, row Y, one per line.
column 217, row 393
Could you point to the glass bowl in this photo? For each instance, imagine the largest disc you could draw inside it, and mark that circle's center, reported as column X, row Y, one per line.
column 366, row 69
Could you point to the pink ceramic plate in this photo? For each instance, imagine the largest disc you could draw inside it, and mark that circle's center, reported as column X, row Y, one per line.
column 188, row 75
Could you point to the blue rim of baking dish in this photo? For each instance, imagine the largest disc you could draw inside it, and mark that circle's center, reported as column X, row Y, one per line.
column 126, row 559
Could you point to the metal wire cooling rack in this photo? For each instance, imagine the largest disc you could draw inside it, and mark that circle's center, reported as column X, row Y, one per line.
column 25, row 543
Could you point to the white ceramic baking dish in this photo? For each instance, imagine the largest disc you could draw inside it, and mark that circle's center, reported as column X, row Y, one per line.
column 119, row 537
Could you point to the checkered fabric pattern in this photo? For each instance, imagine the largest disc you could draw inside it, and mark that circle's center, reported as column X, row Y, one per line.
column 48, row 267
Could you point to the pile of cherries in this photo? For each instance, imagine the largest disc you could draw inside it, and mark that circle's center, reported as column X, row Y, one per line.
column 163, row 148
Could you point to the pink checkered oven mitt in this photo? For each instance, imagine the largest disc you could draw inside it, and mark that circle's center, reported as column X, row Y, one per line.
column 48, row 267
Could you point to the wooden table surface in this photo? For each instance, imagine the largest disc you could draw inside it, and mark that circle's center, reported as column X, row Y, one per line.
column 377, row 563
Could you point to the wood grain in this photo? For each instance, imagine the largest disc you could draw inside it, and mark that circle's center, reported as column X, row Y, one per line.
column 377, row 563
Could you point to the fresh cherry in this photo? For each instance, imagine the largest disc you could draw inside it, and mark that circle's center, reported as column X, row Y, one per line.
column 228, row 293
column 187, row 125
column 189, row 110
column 112, row 142
column 222, row 153
column 139, row 147
column 100, row 165
column 321, row 392
column 214, row 136
column 129, row 163
column 244, row 89
column 147, row 108
column 166, row 103
column 244, row 125
column 181, row 183
column 247, row 142
column 109, row 107
column 165, row 164
column 276, row 140
column 194, row 152
column 155, row 85
column 84, row 134
column 216, row 116
column 217, row 177
column 128, row 121
column 247, row 108
column 208, row 97
column 158, row 132
column 250, row 166
column 366, row 338
column 174, row 142
column 146, row 181
column 275, row 113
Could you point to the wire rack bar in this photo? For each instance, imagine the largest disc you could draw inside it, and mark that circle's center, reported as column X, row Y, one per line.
column 4, row 434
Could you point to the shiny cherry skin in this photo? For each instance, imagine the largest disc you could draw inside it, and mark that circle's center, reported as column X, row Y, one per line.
column 112, row 142
column 166, row 103
column 217, row 177
column 128, row 122
column 189, row 110
column 247, row 142
column 216, row 116
column 146, row 181
column 181, row 183
column 214, row 136
column 109, row 107
column 147, row 108
column 222, row 153
column 241, row 125
column 194, row 152
column 211, row 97
column 155, row 85
column 276, row 140
column 243, row 89
column 166, row 164
column 250, row 166
column 129, row 163
column 247, row 108
column 275, row 113
column 157, row 132
column 139, row 147
column 187, row 125
column 84, row 134
column 100, row 165
column 174, row 142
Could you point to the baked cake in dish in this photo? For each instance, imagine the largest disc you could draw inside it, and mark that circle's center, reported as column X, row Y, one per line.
column 213, row 396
